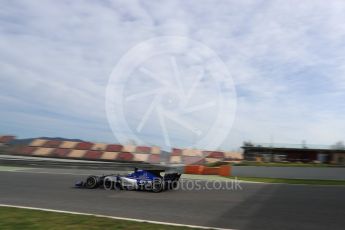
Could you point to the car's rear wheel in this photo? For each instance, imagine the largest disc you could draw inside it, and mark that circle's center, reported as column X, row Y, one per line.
column 92, row 182
column 157, row 186
column 173, row 184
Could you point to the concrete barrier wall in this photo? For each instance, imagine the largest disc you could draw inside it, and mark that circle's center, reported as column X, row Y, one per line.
column 290, row 172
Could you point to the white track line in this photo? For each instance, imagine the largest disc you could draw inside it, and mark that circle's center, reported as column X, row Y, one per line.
column 113, row 217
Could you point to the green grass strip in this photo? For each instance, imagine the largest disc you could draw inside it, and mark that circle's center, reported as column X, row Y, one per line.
column 17, row 218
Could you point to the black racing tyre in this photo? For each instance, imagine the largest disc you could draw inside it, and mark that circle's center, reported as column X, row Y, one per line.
column 157, row 186
column 108, row 184
column 92, row 182
column 171, row 184
column 118, row 186
column 174, row 184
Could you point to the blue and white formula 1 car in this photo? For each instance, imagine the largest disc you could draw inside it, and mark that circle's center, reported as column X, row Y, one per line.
column 149, row 180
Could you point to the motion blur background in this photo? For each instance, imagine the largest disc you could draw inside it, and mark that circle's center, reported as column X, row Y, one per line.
column 286, row 58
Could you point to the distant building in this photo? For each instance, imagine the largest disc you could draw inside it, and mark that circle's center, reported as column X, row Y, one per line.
column 4, row 140
column 293, row 153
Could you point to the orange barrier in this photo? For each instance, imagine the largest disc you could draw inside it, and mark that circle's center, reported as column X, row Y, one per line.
column 193, row 169
column 224, row 170
column 210, row 171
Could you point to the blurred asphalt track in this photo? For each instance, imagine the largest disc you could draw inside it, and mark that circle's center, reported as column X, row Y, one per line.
column 256, row 206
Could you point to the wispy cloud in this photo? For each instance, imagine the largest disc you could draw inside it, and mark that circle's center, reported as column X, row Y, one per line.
column 287, row 59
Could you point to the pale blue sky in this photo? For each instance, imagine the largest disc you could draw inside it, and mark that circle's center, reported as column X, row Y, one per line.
column 287, row 59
